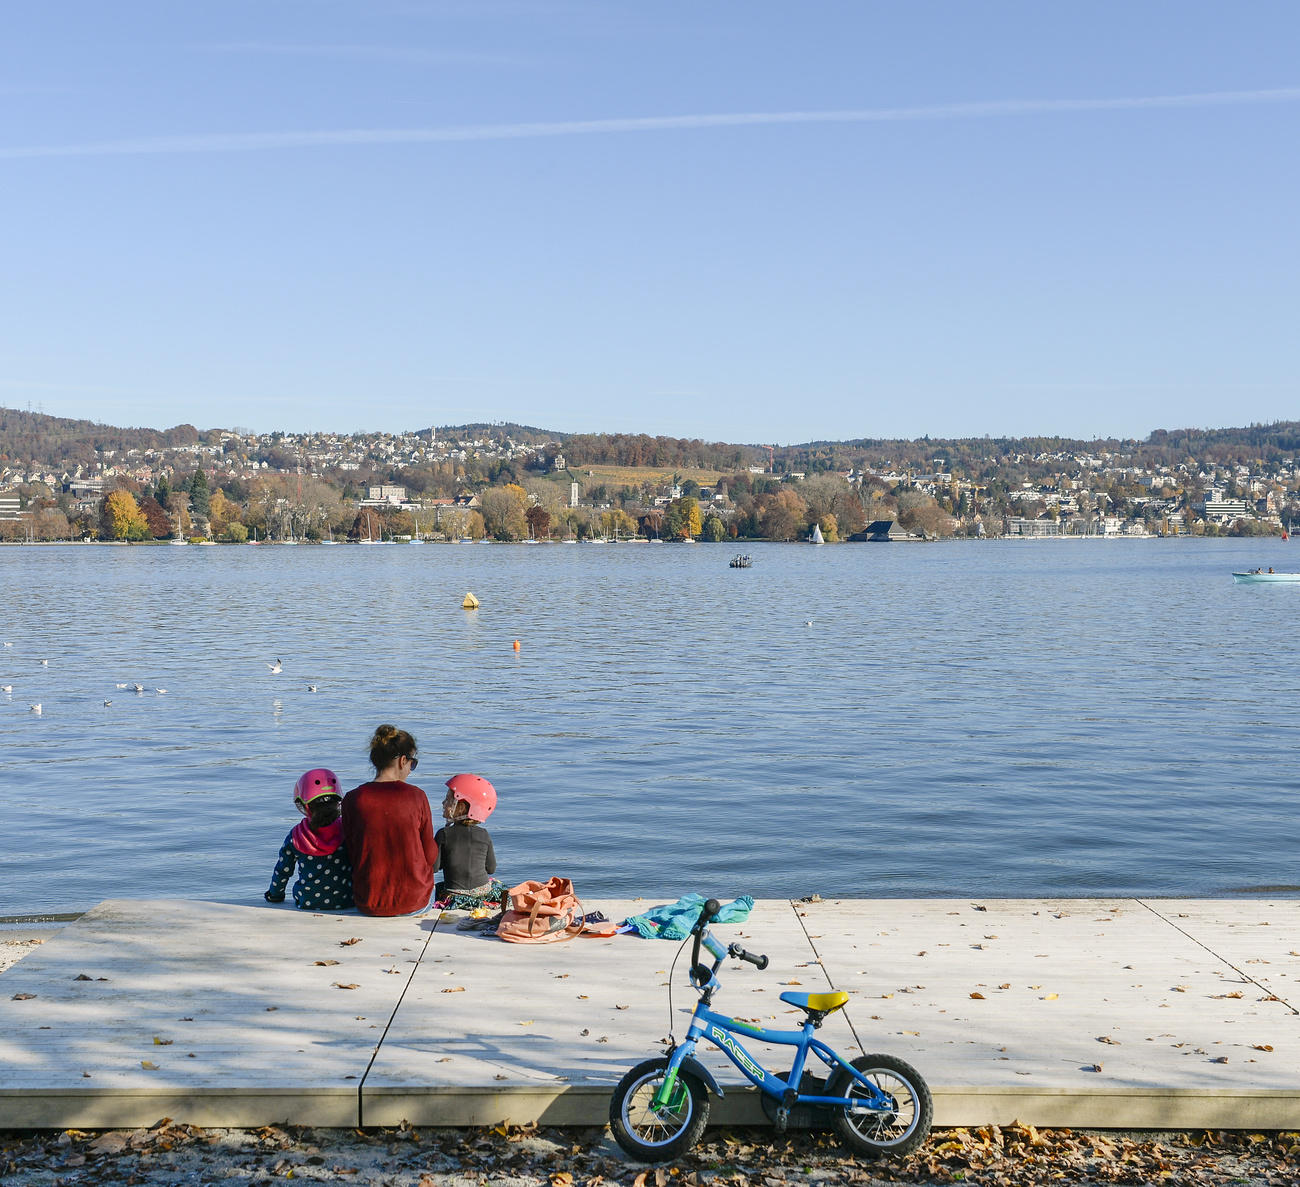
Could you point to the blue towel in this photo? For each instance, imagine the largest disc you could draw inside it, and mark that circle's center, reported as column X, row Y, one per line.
column 674, row 921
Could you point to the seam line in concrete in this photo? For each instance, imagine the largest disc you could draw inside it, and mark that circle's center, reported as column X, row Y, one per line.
column 821, row 964
column 397, row 1005
column 1218, row 956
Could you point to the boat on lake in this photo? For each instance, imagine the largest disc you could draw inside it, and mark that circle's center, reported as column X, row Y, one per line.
column 815, row 536
column 741, row 562
column 1264, row 575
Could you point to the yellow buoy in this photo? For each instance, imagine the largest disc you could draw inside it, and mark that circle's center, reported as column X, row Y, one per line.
column 470, row 602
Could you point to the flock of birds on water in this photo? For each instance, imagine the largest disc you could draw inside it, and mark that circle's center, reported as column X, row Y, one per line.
column 38, row 709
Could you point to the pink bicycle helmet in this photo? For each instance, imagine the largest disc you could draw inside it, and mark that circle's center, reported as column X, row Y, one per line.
column 316, row 782
column 477, row 792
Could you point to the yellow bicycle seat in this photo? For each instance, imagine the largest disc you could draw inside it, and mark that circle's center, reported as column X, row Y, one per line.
column 817, row 1003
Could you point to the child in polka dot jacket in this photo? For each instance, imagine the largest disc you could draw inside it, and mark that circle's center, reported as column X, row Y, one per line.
column 315, row 847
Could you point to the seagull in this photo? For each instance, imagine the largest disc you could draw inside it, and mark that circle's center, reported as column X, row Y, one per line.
column 138, row 687
column 107, row 703
column 808, row 623
column 311, row 688
column 45, row 663
column 276, row 668
column 8, row 644
column 124, row 686
column 160, row 691
column 6, row 688
column 35, row 709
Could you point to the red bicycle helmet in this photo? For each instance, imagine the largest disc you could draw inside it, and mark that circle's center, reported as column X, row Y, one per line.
column 477, row 792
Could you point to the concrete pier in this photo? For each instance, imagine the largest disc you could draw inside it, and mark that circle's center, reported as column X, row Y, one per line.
column 1084, row 1012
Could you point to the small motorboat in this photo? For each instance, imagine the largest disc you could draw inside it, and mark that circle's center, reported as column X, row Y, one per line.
column 1264, row 575
column 741, row 562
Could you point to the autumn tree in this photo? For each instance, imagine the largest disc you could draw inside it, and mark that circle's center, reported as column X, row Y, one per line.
column 160, row 524
column 221, row 512
column 783, row 515
column 539, row 522
column 121, row 518
column 503, row 512
column 616, row 523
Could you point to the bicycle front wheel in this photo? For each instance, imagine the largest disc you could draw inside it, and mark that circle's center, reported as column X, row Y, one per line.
column 870, row 1131
column 651, row 1134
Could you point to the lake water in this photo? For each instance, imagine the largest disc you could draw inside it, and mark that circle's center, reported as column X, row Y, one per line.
column 1032, row 718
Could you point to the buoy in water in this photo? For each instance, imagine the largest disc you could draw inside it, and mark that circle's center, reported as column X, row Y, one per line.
column 470, row 602
column 516, row 644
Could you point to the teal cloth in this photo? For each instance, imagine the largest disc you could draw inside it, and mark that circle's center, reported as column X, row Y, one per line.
column 674, row 921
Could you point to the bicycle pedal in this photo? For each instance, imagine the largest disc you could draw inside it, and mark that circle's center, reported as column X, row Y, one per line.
column 781, row 1120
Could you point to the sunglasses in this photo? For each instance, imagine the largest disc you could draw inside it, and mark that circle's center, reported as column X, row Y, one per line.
column 415, row 762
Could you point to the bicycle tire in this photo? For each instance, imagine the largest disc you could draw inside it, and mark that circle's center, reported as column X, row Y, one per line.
column 873, row 1134
column 656, row 1136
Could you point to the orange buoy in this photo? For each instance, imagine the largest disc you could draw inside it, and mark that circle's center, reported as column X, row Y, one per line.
column 516, row 644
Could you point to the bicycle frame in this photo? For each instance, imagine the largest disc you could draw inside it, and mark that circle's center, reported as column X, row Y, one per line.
column 721, row 1030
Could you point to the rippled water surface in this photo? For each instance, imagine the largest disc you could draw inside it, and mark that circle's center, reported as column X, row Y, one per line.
column 1030, row 718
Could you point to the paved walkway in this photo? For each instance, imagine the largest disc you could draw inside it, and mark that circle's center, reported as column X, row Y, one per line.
column 1096, row 1012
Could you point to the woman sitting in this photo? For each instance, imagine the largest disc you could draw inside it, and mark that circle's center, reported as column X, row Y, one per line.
column 388, row 830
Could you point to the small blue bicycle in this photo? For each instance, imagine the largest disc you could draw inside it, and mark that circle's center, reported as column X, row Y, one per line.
column 878, row 1104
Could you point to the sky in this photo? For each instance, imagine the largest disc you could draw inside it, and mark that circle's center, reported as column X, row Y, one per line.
column 738, row 220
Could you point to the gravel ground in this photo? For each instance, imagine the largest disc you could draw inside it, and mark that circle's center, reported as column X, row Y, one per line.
column 167, row 1154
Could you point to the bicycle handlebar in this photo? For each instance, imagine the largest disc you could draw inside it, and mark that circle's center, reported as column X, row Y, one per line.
column 701, row 975
column 759, row 961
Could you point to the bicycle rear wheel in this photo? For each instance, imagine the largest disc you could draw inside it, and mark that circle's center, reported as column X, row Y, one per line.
column 655, row 1135
column 901, row 1128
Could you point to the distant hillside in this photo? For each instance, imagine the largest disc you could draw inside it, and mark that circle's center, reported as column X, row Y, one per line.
column 35, row 440
column 32, row 439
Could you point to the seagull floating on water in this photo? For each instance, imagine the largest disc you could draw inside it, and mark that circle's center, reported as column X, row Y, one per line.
column 276, row 668
column 107, row 703
column 45, row 663
column 311, row 688
column 6, row 688
column 124, row 686
column 35, row 709
column 138, row 687
column 160, row 691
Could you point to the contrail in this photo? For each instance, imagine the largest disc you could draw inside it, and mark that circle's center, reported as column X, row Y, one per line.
column 361, row 137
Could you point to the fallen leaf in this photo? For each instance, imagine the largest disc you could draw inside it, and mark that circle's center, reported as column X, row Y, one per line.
column 82, row 977
column 1108, row 1039
column 979, row 997
column 454, row 989
column 1091, row 1067
column 323, row 963
column 526, row 1022
column 1260, row 1047
column 347, row 985
column 1219, row 1059
column 148, row 1065
column 349, row 943
column 162, row 1042
column 1049, row 997
column 22, row 997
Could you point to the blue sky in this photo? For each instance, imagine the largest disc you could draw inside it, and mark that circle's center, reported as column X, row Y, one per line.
column 743, row 221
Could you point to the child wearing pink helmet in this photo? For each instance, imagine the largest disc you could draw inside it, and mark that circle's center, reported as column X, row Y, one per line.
column 466, row 861
column 315, row 847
